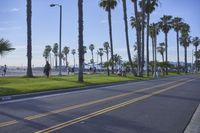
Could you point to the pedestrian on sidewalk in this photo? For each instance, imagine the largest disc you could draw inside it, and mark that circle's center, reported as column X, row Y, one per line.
column 4, row 71
column 47, row 69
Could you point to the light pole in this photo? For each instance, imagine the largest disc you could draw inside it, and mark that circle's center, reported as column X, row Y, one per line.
column 60, row 35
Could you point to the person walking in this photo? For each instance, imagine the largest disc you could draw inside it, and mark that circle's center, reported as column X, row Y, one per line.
column 47, row 69
column 4, row 71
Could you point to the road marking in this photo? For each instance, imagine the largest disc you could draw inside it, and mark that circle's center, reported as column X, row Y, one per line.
column 95, row 102
column 108, row 109
column 64, row 93
column 3, row 124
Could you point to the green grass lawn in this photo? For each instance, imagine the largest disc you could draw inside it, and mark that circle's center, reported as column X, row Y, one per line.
column 20, row 85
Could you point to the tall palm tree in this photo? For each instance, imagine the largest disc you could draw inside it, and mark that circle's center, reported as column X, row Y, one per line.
column 5, row 46
column 166, row 25
column 29, row 72
column 142, row 6
column 138, row 35
column 100, row 53
column 196, row 42
column 47, row 52
column 161, row 50
column 126, row 35
column 107, row 50
column 109, row 5
column 73, row 53
column 185, row 41
column 117, row 60
column 65, row 51
column 154, row 31
column 55, row 51
column 137, row 24
column 176, row 23
column 80, row 40
column 91, row 47
column 150, row 6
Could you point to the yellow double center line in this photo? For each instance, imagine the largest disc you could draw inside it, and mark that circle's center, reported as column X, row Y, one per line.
column 105, row 110
column 8, row 123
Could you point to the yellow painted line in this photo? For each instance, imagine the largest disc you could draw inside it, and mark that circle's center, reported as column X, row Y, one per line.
column 105, row 110
column 94, row 102
column 3, row 124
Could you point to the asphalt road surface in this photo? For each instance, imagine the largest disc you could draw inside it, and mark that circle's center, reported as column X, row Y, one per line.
column 156, row 106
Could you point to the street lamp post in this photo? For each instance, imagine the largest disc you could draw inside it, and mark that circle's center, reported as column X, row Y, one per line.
column 60, row 36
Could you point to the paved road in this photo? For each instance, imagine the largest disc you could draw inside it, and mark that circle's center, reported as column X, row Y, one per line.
column 155, row 106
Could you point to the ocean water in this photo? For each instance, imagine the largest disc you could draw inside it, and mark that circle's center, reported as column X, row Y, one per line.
column 16, row 71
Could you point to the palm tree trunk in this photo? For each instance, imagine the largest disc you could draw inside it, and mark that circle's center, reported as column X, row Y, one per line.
column 108, row 71
column 178, row 62
column 101, row 61
column 74, row 60
column 163, row 58
column 153, row 54
column 56, row 62
column 195, row 59
column 29, row 40
column 147, row 49
column 110, row 34
column 81, row 52
column 143, row 28
column 92, row 58
column 166, row 52
column 127, row 37
column 138, row 37
column 185, row 50
column 66, row 61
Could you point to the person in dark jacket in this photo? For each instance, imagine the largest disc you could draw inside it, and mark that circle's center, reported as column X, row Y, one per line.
column 47, row 69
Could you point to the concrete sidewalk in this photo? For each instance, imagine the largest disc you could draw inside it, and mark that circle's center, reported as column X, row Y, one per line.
column 194, row 125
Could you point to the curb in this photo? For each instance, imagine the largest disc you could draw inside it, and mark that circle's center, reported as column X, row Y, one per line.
column 194, row 126
column 71, row 89
column 50, row 92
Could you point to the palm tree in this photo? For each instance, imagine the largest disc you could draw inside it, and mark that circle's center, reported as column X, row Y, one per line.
column 185, row 40
column 80, row 40
column 161, row 50
column 117, row 60
column 55, row 51
column 109, row 5
column 5, row 46
column 176, row 23
column 91, row 47
column 65, row 51
column 166, row 25
column 154, row 31
column 142, row 5
column 29, row 40
column 73, row 53
column 100, row 53
column 196, row 42
column 150, row 6
column 138, row 26
column 47, row 52
column 106, row 50
column 126, row 35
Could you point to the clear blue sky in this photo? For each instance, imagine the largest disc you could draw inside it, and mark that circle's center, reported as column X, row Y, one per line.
column 45, row 25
